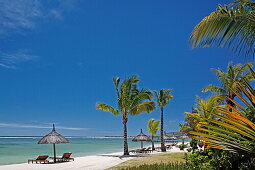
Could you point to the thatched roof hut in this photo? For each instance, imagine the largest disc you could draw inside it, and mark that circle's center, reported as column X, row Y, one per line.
column 141, row 137
column 53, row 138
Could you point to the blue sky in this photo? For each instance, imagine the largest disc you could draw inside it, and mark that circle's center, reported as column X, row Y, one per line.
column 58, row 58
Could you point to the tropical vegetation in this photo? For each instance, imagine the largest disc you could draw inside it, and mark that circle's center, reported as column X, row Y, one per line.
column 231, row 26
column 228, row 133
column 162, row 97
column 153, row 128
column 227, row 80
column 130, row 101
column 228, row 129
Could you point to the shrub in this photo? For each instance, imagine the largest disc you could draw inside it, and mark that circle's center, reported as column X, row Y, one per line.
column 182, row 146
column 162, row 166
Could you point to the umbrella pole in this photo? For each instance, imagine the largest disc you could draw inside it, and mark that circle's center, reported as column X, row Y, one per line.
column 54, row 148
column 141, row 144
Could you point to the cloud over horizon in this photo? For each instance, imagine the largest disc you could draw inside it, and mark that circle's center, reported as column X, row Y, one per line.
column 17, row 125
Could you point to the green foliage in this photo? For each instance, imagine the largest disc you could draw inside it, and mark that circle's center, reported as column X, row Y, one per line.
column 153, row 126
column 189, row 149
column 193, row 144
column 200, row 144
column 228, row 80
column 216, row 159
column 182, row 146
column 230, row 26
column 130, row 101
column 163, row 97
column 162, row 166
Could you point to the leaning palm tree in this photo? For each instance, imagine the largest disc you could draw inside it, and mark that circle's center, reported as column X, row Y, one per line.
column 231, row 26
column 228, row 80
column 153, row 128
column 163, row 97
column 130, row 101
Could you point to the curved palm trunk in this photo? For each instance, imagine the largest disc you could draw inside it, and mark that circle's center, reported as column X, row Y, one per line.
column 152, row 143
column 125, row 137
column 163, row 148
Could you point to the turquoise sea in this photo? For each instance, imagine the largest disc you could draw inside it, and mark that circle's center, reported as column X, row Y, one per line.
column 19, row 149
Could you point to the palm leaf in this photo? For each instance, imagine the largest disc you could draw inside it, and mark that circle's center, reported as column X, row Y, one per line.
column 229, row 26
column 105, row 107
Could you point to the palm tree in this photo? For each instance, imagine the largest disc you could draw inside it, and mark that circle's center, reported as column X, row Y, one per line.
column 163, row 97
column 153, row 128
column 231, row 130
column 231, row 26
column 130, row 101
column 205, row 107
column 229, row 79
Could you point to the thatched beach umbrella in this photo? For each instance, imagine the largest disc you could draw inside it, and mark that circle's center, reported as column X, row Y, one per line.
column 183, row 137
column 141, row 137
column 53, row 138
column 166, row 137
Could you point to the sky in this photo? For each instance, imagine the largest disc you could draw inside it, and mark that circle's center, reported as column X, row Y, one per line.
column 58, row 58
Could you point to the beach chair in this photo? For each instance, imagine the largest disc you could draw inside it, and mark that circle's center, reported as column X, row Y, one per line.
column 39, row 159
column 134, row 151
column 148, row 150
column 65, row 157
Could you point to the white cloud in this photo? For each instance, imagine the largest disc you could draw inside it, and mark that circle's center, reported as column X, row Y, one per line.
column 16, row 125
column 11, row 60
column 18, row 15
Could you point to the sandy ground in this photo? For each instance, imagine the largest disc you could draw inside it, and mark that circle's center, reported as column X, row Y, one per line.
column 95, row 162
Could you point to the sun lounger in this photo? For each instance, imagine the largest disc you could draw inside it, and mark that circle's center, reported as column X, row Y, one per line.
column 39, row 159
column 137, row 150
column 65, row 157
column 148, row 150
column 158, row 148
column 169, row 146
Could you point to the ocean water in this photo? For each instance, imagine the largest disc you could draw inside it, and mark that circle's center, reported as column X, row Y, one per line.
column 19, row 149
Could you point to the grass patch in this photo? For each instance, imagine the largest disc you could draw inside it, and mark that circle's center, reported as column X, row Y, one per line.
column 151, row 159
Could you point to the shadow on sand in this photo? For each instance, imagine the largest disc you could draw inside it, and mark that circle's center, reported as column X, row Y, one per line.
column 124, row 156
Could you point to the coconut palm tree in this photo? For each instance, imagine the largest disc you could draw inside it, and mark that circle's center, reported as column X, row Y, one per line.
column 130, row 101
column 235, row 73
column 231, row 26
column 163, row 97
column 153, row 128
column 231, row 130
column 204, row 109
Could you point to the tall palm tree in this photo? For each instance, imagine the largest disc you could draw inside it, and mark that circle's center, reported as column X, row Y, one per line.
column 163, row 97
column 228, row 80
column 231, row 26
column 130, row 101
column 153, row 128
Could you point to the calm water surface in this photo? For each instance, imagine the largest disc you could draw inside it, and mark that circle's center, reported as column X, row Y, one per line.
column 19, row 149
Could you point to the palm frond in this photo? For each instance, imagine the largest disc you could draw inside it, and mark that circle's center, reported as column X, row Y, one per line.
column 153, row 126
column 143, row 107
column 105, row 107
column 229, row 26
column 214, row 89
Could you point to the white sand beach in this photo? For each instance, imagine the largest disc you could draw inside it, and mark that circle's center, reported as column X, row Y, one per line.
column 95, row 162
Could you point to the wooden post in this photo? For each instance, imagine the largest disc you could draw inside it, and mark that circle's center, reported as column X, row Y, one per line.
column 54, row 148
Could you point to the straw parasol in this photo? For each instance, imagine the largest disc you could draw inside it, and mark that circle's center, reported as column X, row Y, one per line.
column 141, row 137
column 166, row 137
column 53, row 138
column 183, row 137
